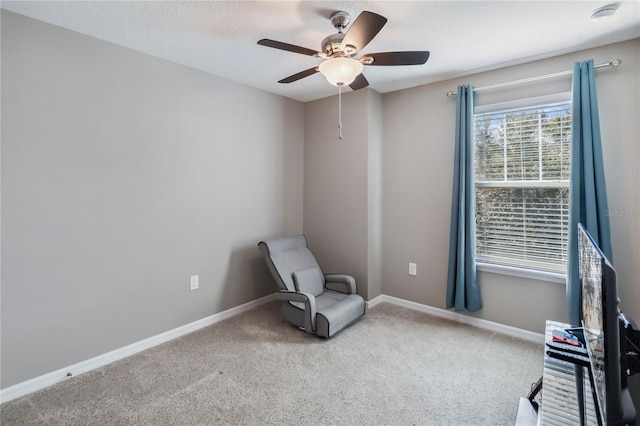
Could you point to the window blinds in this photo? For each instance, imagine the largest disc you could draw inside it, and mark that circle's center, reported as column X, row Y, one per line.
column 522, row 186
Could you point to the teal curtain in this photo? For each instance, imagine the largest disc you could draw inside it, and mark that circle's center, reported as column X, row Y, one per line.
column 588, row 195
column 463, row 292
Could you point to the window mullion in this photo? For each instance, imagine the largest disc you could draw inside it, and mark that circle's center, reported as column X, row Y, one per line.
column 504, row 150
column 540, row 146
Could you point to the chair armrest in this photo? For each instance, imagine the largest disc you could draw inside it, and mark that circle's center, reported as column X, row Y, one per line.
column 343, row 279
column 309, row 301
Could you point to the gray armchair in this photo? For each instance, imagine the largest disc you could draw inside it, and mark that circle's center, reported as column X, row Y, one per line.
column 308, row 303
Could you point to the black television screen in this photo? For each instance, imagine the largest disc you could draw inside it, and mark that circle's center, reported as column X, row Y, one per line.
column 593, row 322
column 601, row 321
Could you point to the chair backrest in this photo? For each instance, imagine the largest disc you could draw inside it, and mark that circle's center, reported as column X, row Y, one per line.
column 285, row 256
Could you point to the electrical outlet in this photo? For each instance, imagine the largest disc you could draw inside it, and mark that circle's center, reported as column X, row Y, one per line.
column 412, row 269
column 194, row 282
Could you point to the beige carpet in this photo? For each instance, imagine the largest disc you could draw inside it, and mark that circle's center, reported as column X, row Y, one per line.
column 395, row 367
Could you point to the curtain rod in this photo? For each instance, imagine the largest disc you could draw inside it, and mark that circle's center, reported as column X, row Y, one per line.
column 611, row 63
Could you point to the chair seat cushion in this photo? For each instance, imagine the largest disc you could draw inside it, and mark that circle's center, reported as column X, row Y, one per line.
column 335, row 311
column 335, row 316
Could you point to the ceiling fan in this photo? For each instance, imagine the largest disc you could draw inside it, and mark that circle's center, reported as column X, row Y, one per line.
column 340, row 67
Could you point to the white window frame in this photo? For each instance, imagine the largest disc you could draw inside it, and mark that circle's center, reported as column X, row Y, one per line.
column 524, row 271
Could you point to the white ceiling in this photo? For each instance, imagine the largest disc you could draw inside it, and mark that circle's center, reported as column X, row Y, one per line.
column 220, row 37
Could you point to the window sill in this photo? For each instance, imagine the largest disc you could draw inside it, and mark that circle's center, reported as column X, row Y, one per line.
column 551, row 277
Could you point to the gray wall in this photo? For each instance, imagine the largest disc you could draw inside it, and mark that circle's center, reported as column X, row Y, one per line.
column 375, row 134
column 418, row 156
column 123, row 175
column 335, row 185
column 342, row 190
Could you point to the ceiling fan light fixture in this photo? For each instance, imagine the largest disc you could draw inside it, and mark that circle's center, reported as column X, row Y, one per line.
column 340, row 71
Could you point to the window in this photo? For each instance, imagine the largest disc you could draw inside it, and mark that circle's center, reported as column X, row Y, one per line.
column 522, row 186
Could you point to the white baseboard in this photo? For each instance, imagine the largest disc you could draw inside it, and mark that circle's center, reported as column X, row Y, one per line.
column 458, row 317
column 46, row 380
column 376, row 301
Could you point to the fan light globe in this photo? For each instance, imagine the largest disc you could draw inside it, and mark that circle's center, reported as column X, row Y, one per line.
column 341, row 71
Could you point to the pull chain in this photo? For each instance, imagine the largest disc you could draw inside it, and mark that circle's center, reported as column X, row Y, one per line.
column 339, row 111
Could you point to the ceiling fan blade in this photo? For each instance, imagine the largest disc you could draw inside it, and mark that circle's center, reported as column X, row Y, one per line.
column 359, row 83
column 363, row 30
column 288, row 47
column 300, row 75
column 396, row 58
